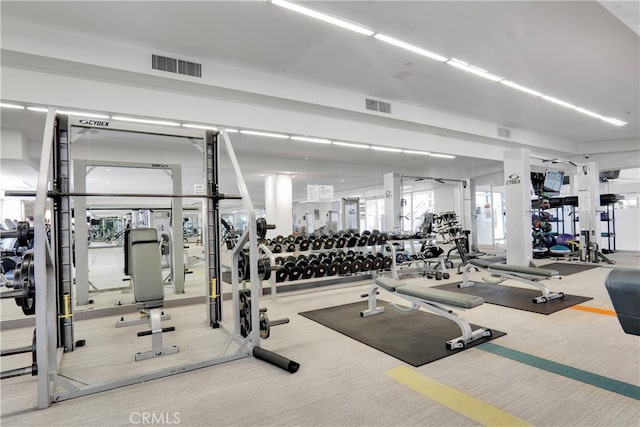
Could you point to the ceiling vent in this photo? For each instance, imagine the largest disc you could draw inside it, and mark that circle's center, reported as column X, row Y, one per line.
column 372, row 104
column 504, row 132
column 176, row 66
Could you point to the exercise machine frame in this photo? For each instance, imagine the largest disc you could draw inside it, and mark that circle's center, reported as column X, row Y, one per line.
column 54, row 272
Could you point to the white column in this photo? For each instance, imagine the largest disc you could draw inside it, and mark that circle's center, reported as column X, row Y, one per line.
column 392, row 206
column 517, row 178
column 278, row 204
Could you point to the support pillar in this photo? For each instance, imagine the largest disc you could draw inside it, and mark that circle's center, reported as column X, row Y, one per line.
column 517, row 178
column 278, row 203
column 392, row 208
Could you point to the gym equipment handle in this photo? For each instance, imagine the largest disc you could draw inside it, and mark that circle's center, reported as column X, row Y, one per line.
column 276, row 359
column 149, row 332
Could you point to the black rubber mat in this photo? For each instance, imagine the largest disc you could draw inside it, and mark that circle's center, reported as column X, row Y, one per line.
column 566, row 269
column 518, row 298
column 416, row 338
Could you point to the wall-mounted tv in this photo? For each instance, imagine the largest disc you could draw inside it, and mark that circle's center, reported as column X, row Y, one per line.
column 553, row 181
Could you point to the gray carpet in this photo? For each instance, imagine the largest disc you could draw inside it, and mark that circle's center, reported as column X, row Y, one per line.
column 512, row 297
column 416, row 338
column 566, row 269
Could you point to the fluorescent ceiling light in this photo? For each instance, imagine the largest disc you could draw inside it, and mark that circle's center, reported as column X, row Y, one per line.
column 443, row 156
column 38, row 109
column 356, row 195
column 613, row 121
column 351, row 145
column 232, row 130
column 150, row 122
column 409, row 47
column 82, row 114
column 14, row 106
column 558, row 101
column 267, row 134
column 588, row 113
column 420, row 153
column 474, row 70
column 392, row 150
column 323, row 17
column 520, row 88
column 186, row 125
column 307, row 139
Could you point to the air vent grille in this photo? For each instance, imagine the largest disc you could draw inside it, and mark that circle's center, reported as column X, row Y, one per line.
column 372, row 104
column 504, row 133
column 164, row 63
column 176, row 66
column 189, row 68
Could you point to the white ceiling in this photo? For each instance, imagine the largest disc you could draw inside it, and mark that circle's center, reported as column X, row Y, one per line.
column 576, row 51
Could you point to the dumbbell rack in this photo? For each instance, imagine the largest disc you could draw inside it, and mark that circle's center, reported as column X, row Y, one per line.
column 361, row 252
column 416, row 264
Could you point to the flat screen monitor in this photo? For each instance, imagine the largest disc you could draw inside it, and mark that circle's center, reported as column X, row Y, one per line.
column 553, row 181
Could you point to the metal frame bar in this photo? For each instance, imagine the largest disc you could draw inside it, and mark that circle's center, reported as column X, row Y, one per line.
column 48, row 310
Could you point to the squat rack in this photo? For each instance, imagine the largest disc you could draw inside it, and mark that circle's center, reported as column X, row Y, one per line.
column 53, row 272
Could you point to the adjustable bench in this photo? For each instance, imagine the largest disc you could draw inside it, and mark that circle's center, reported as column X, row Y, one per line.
column 528, row 275
column 430, row 299
column 623, row 287
column 148, row 289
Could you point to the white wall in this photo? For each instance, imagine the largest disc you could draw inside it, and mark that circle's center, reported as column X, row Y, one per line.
column 627, row 230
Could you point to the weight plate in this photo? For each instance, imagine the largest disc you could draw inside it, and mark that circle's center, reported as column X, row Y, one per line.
column 316, row 245
column 367, row 264
column 377, row 264
column 363, row 241
column 304, row 245
column 279, row 260
column 279, row 239
column 329, row 243
column 321, row 270
column 277, row 248
column 291, row 247
column 387, row 262
column 308, row 271
column 345, row 267
column 28, row 300
column 383, row 238
column 333, row 268
column 302, row 263
column 289, row 265
column 356, row 266
column 352, row 242
column 302, row 258
column 366, row 233
column 281, row 275
column 373, row 239
column 292, row 258
column 295, row 273
column 298, row 240
column 341, row 242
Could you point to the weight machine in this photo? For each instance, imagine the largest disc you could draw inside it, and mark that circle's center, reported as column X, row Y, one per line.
column 53, row 269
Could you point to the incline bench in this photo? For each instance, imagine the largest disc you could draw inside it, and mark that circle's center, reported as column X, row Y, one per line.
column 430, row 299
column 529, row 275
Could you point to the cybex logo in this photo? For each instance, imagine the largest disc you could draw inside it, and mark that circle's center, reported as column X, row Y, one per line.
column 95, row 122
column 514, row 178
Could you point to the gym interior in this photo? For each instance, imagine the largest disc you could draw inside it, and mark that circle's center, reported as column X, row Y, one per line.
column 288, row 213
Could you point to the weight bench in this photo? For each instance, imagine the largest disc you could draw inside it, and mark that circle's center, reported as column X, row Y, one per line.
column 430, row 299
column 528, row 275
column 623, row 287
column 148, row 289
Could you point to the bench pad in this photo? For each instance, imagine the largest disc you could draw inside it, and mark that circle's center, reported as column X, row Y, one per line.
column 429, row 294
column 532, row 271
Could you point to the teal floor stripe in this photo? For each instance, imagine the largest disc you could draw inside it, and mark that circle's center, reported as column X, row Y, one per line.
column 595, row 380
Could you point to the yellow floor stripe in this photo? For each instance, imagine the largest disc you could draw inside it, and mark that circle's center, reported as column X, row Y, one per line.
column 464, row 404
column 594, row 310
